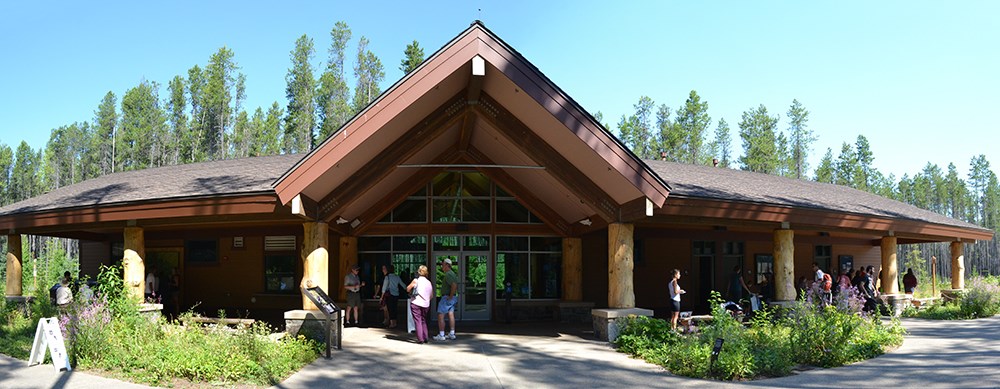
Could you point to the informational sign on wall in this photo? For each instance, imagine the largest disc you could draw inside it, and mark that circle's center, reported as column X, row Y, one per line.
column 49, row 337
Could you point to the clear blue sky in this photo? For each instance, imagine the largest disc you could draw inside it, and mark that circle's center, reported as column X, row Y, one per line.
column 920, row 79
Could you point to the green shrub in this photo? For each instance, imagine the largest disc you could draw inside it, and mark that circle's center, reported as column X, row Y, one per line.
column 981, row 298
column 769, row 347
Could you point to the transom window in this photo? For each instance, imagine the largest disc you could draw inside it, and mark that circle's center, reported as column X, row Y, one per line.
column 461, row 197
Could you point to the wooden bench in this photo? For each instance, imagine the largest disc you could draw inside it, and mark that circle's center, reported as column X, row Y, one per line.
column 222, row 321
column 924, row 302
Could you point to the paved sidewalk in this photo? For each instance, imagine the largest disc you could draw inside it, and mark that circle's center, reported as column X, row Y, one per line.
column 936, row 354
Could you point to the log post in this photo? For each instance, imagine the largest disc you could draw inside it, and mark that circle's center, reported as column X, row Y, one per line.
column 134, row 261
column 348, row 257
column 14, row 286
column 890, row 270
column 315, row 259
column 957, row 265
column 621, row 292
column 784, row 265
column 572, row 269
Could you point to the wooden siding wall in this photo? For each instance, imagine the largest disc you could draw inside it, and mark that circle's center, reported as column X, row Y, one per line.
column 92, row 256
column 662, row 254
column 595, row 268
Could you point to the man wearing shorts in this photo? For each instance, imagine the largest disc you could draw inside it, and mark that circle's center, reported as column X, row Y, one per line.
column 448, row 301
column 353, row 285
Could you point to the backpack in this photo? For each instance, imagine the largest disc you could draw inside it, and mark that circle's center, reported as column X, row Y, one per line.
column 827, row 282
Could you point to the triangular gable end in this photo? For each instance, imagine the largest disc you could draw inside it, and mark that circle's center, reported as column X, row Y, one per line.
column 476, row 99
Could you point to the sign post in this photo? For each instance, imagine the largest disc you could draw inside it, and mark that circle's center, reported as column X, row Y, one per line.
column 715, row 354
column 330, row 310
column 49, row 337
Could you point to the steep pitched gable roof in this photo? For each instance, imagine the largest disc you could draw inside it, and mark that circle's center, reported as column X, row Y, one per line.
column 502, row 117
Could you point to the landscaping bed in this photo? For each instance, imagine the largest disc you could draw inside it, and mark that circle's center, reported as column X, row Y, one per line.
column 773, row 344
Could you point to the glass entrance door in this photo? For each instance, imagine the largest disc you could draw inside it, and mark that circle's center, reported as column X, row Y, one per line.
column 470, row 258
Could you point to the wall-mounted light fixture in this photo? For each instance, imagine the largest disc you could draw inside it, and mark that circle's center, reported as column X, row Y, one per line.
column 341, row 220
column 586, row 222
column 355, row 223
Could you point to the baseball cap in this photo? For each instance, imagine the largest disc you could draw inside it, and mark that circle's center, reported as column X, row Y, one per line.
column 447, row 261
column 355, row 267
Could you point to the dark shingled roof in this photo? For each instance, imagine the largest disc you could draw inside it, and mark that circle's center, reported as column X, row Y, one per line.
column 706, row 182
column 257, row 175
column 228, row 177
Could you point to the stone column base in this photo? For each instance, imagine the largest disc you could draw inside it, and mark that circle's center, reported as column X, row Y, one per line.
column 605, row 320
column 951, row 294
column 311, row 323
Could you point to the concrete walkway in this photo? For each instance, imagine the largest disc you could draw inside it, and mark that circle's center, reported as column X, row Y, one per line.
column 945, row 354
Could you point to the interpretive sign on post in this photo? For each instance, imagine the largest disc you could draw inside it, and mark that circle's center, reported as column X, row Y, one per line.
column 49, row 337
column 330, row 310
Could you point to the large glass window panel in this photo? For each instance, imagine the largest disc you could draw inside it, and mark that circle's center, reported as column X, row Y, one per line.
column 475, row 184
column 407, row 264
column 513, row 268
column 512, row 243
column 446, row 184
column 447, row 210
column 510, row 211
column 446, row 243
column 411, row 211
column 371, row 272
column 545, row 275
column 546, row 244
column 410, row 243
column 477, row 243
column 476, row 210
column 279, row 273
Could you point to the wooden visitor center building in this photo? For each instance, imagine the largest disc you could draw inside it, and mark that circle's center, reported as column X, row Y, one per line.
column 478, row 157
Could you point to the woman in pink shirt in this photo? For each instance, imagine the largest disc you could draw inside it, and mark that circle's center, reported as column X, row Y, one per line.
column 420, row 302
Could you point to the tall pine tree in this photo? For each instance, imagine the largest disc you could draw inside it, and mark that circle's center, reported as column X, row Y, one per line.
column 758, row 130
column 369, row 73
column 333, row 95
column 300, row 122
column 413, row 56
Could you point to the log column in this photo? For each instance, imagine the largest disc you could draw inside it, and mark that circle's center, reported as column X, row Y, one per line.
column 572, row 269
column 315, row 259
column 134, row 261
column 957, row 265
column 784, row 265
column 347, row 258
column 14, row 286
column 890, row 271
column 621, row 292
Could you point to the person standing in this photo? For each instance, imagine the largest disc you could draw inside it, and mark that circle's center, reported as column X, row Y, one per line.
column 390, row 292
column 421, row 302
column 152, row 284
column 909, row 282
column 675, row 297
column 448, row 301
column 737, row 285
column 353, row 284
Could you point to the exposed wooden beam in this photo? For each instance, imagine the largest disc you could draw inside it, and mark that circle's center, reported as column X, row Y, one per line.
column 635, row 210
column 396, row 196
column 414, row 140
column 476, row 79
column 522, row 194
column 544, row 154
column 465, row 134
column 305, row 207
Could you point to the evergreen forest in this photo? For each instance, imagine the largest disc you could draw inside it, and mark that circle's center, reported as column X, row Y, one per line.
column 199, row 115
